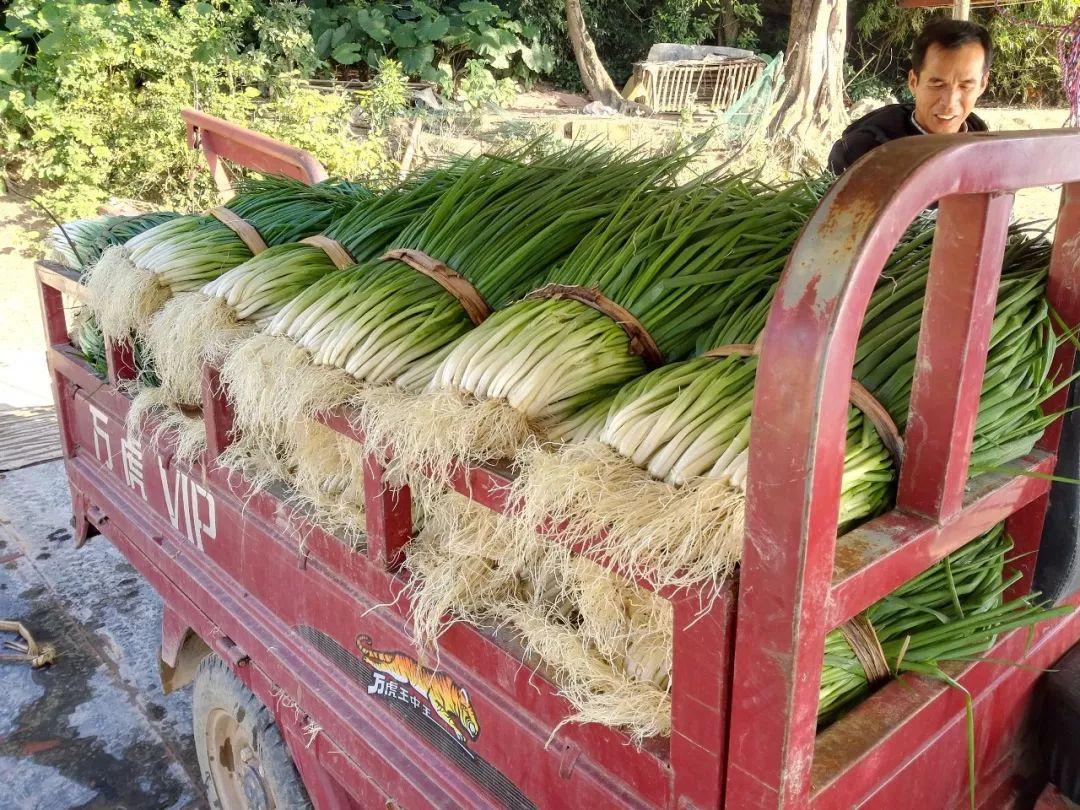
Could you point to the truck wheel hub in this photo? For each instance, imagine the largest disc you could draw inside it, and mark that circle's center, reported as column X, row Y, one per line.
column 234, row 768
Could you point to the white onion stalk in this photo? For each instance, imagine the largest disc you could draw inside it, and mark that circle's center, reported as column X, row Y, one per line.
column 204, row 325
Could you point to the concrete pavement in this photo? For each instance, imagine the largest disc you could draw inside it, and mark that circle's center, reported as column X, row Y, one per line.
column 92, row 730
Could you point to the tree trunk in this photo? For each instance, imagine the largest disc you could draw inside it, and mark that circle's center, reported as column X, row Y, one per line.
column 594, row 75
column 728, row 31
column 810, row 114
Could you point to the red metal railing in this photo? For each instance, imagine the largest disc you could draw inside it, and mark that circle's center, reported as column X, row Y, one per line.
column 220, row 139
column 794, row 570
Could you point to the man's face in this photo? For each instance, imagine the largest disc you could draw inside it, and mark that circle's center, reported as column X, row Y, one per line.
column 947, row 87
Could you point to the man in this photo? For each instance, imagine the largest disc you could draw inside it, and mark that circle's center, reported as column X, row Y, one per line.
column 950, row 68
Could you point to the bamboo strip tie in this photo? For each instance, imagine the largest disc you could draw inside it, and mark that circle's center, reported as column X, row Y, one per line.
column 241, row 227
column 446, row 277
column 859, row 633
column 641, row 342
column 334, row 250
column 860, row 397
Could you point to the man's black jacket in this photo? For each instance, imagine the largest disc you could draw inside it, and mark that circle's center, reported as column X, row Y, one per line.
column 878, row 127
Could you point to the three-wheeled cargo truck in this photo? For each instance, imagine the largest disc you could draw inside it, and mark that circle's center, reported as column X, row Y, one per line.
column 306, row 683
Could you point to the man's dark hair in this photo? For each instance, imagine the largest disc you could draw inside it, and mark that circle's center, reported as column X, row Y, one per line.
column 951, row 34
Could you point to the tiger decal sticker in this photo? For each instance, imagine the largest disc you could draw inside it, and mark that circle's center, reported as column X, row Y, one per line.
column 449, row 699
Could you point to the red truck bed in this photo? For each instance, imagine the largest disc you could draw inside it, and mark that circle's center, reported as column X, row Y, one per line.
column 318, row 631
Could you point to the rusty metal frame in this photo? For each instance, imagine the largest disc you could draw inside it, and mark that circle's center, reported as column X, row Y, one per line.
column 795, row 570
column 218, row 138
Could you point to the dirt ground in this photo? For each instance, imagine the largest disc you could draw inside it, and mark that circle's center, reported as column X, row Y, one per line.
column 23, row 378
column 92, row 730
column 1031, row 203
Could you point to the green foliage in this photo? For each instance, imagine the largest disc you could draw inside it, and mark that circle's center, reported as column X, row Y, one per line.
column 90, row 101
column 285, row 38
column 1025, row 68
column 750, row 21
column 678, row 21
column 428, row 39
column 388, row 96
column 864, row 84
column 319, row 122
column 11, row 58
column 477, row 87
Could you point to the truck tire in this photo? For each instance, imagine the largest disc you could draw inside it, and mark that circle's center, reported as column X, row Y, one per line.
column 1057, row 569
column 244, row 761
column 1059, row 724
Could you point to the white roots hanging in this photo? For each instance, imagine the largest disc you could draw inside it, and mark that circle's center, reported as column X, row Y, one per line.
column 606, row 642
column 431, row 431
column 123, row 295
column 598, row 691
column 609, row 646
column 152, row 410
column 328, row 480
column 457, row 566
column 665, row 535
column 628, row 625
column 274, row 386
column 188, row 330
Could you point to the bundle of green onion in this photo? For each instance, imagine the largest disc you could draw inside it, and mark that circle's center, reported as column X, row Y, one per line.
column 606, row 642
column 129, row 284
column 501, row 224
column 260, row 287
column 80, row 243
column 677, row 260
column 120, row 230
column 87, row 338
column 1021, row 350
column 205, row 324
column 665, row 477
column 72, row 243
column 951, row 612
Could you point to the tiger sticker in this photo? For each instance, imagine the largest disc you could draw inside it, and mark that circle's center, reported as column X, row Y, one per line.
column 449, row 700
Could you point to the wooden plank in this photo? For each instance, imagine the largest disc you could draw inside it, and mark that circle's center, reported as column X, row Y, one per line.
column 28, row 436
